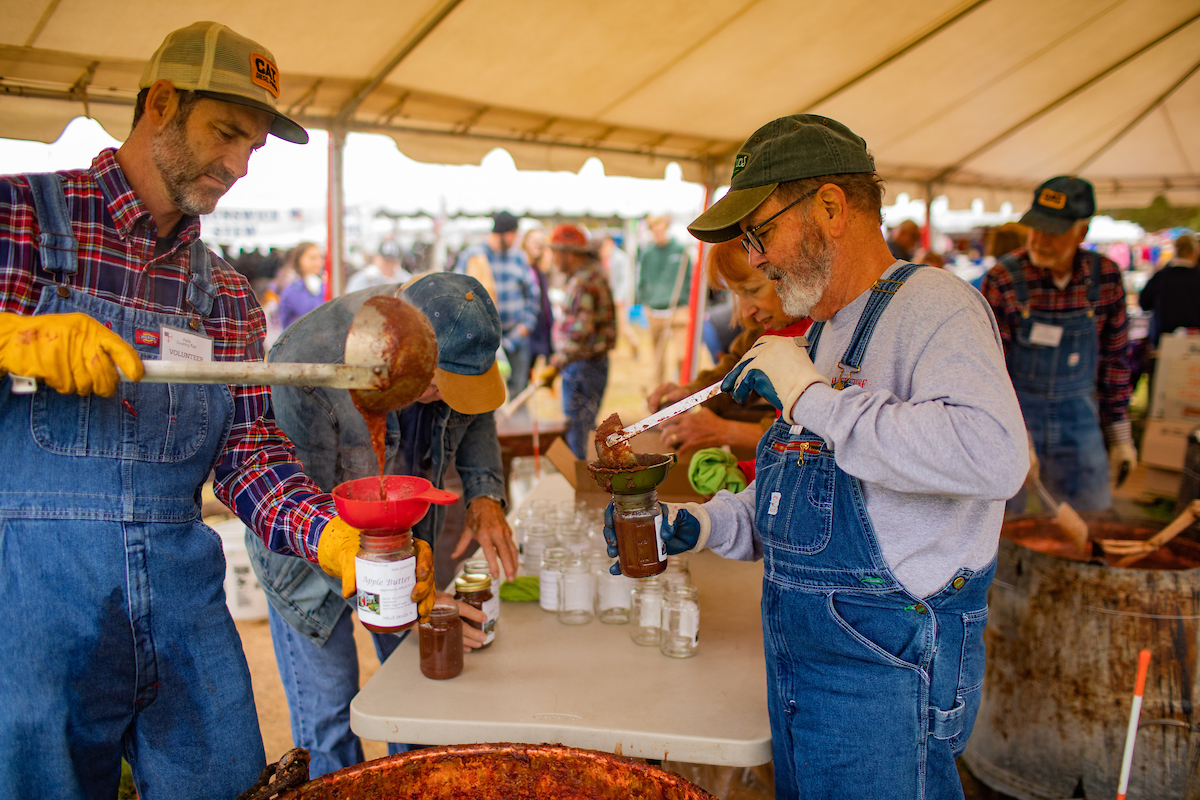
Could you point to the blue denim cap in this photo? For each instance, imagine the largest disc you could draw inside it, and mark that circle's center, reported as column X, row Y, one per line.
column 467, row 327
column 1059, row 203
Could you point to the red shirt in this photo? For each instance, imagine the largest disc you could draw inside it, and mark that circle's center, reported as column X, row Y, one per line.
column 258, row 475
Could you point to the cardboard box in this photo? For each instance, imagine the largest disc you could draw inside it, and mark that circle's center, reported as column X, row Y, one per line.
column 1161, row 482
column 1164, row 444
column 675, row 489
column 1176, row 393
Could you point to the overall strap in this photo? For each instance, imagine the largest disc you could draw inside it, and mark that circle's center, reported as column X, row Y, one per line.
column 1016, row 274
column 200, row 291
column 57, row 246
column 1093, row 289
column 881, row 294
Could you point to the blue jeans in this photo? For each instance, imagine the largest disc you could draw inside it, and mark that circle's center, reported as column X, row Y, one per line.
column 319, row 683
column 583, row 384
column 519, row 353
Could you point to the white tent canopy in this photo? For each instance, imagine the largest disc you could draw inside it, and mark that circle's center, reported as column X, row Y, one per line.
column 963, row 98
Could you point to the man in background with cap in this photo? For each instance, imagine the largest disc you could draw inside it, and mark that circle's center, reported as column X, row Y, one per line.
column 127, row 647
column 1061, row 311
column 879, row 494
column 505, row 272
column 452, row 422
column 384, row 270
column 583, row 334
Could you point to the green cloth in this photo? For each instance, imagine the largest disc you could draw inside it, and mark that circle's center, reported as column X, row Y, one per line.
column 522, row 589
column 657, row 268
column 713, row 469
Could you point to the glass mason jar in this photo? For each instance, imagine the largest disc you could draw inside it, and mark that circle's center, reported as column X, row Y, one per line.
column 613, row 594
column 385, row 570
column 550, row 577
column 479, row 566
column 537, row 538
column 646, row 612
column 637, row 519
column 680, row 622
column 476, row 590
column 442, row 643
column 677, row 572
column 575, row 599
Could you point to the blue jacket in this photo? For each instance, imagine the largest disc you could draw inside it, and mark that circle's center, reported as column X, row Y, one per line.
column 333, row 443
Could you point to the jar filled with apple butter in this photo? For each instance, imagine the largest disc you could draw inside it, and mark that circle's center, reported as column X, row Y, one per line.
column 476, row 590
column 442, row 643
column 385, row 569
column 637, row 519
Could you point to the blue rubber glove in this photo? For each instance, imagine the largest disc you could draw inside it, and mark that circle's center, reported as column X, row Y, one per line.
column 778, row 368
column 685, row 528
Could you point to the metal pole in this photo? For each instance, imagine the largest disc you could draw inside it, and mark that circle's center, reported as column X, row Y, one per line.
column 335, row 273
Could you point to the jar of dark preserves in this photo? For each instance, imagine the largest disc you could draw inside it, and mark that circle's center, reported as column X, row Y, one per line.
column 442, row 643
column 385, row 569
column 476, row 590
column 637, row 519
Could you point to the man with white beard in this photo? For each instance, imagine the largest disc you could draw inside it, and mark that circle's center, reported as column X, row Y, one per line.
column 879, row 494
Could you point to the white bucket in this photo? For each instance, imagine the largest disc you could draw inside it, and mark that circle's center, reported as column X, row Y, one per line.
column 243, row 594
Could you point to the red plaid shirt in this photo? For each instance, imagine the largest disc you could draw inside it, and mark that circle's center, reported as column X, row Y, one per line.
column 258, row 475
column 1112, row 379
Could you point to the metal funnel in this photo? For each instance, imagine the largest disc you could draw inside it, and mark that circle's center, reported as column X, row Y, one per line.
column 653, row 471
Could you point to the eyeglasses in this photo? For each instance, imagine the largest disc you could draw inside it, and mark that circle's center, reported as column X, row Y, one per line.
column 750, row 238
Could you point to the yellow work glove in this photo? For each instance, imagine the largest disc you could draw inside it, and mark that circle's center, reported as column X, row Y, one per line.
column 336, row 550
column 545, row 376
column 71, row 353
column 424, row 593
column 1122, row 458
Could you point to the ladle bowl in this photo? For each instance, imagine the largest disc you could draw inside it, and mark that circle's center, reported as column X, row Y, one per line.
column 406, row 501
column 388, row 330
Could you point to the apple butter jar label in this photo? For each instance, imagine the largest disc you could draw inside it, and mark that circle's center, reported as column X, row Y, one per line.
column 385, row 592
column 658, row 540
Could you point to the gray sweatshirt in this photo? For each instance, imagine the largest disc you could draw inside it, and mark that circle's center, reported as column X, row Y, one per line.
column 931, row 427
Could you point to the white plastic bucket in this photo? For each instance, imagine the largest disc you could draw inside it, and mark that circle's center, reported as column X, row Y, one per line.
column 243, row 594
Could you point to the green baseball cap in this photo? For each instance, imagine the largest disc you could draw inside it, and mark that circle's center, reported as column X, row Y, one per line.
column 787, row 149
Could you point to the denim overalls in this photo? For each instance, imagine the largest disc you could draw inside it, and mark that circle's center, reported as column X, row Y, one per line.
column 872, row 692
column 119, row 640
column 1056, row 387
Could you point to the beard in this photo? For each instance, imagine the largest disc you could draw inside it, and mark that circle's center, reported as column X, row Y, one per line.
column 803, row 284
column 181, row 171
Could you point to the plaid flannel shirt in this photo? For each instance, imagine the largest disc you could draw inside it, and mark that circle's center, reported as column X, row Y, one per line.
column 588, row 326
column 1112, row 379
column 257, row 475
column 520, row 296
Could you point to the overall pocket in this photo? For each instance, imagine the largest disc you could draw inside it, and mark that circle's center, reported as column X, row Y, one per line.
column 794, row 502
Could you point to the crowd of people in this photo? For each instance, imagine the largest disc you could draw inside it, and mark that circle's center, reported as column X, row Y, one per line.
column 896, row 410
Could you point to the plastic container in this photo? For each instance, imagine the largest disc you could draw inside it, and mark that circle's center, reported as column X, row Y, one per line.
column 243, row 594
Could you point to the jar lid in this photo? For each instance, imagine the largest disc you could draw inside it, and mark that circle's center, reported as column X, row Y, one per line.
column 472, row 583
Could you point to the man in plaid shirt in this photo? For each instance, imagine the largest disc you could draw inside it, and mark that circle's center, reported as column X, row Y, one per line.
column 583, row 335
column 504, row 271
column 129, row 649
column 1061, row 312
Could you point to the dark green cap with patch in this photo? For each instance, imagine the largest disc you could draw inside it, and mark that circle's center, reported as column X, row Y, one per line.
column 787, row 149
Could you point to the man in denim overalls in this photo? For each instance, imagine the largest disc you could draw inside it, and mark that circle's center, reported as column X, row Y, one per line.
column 1061, row 311
column 879, row 494
column 119, row 642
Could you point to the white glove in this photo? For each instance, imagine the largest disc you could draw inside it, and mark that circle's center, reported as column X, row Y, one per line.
column 1122, row 458
column 778, row 368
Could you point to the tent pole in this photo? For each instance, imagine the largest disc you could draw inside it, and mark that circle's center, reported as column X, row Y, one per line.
column 697, row 300
column 335, row 217
column 927, row 232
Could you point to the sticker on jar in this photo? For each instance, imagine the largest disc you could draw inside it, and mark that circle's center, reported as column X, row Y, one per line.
column 385, row 592
column 658, row 540
column 689, row 623
column 492, row 609
column 650, row 615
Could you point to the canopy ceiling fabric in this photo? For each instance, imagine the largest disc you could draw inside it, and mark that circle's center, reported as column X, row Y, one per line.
column 969, row 98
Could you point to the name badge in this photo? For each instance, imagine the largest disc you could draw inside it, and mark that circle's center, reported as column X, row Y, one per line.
column 181, row 345
column 1046, row 335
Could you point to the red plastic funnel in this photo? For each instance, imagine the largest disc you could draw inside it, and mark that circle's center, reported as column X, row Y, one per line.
column 408, row 500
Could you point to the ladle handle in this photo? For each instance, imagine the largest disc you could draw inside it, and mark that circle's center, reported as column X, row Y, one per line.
column 263, row 373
